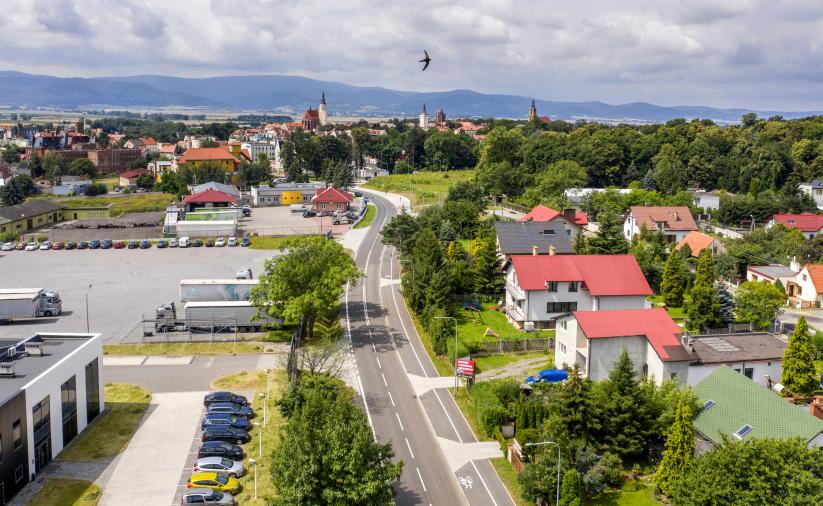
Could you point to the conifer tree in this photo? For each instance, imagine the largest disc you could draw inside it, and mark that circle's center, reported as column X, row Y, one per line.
column 799, row 374
column 609, row 239
column 674, row 281
column 726, row 301
column 704, row 308
column 679, row 450
column 626, row 414
column 578, row 410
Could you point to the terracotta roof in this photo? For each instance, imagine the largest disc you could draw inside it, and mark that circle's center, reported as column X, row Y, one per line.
column 168, row 148
column 209, row 196
column 468, row 126
column 601, row 274
column 543, row 213
column 697, row 242
column 806, row 222
column 207, row 154
column 311, row 114
column 816, row 273
column 675, row 217
column 245, row 153
column 134, row 173
column 148, row 141
column 331, row 194
column 656, row 324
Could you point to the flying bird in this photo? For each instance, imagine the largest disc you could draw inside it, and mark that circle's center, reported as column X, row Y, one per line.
column 425, row 59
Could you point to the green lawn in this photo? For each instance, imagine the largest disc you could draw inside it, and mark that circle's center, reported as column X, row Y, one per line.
column 490, row 362
column 472, row 325
column 674, row 312
column 371, row 213
column 208, row 216
column 422, row 187
column 133, row 203
column 111, row 431
column 66, row 492
column 643, row 496
column 509, row 478
column 265, row 242
column 238, row 347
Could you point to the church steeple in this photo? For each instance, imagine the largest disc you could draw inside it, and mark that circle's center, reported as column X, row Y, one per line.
column 424, row 119
column 323, row 97
column 321, row 110
column 532, row 111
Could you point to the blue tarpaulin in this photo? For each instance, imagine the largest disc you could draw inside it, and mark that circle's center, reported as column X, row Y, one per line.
column 548, row 376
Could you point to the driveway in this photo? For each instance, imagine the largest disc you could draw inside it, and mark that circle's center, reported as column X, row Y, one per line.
column 149, row 470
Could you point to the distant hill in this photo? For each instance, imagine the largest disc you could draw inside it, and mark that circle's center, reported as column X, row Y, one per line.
column 293, row 94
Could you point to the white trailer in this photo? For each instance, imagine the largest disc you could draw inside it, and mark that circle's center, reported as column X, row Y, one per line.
column 29, row 304
column 212, row 316
column 202, row 290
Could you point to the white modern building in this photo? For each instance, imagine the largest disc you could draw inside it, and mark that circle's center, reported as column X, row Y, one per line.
column 270, row 149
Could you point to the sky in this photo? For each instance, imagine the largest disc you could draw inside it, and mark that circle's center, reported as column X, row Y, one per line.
column 763, row 54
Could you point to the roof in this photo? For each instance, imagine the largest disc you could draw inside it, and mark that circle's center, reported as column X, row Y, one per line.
column 746, row 347
column 805, row 222
column 697, row 242
column 739, row 401
column 518, row 238
column 148, row 141
column 28, row 209
column 814, row 184
column 543, row 213
column 655, row 324
column 168, row 148
column 331, row 194
column 214, row 185
column 674, row 217
column 207, row 154
column 772, row 271
column 816, row 273
column 209, row 196
column 602, row 275
column 134, row 173
column 311, row 114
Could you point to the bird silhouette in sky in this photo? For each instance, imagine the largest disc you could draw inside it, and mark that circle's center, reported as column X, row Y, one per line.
column 425, row 59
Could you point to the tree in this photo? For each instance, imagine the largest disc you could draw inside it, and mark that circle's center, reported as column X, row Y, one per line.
column 679, row 452
column 204, row 173
column 758, row 303
column 609, row 239
column 400, row 232
column 704, row 307
column 669, row 173
column 626, row 417
column 673, row 283
column 145, row 181
column 12, row 193
column 488, row 277
column 578, row 412
column 726, row 302
column 342, row 174
column 648, row 181
column 208, row 143
column 54, row 166
column 172, row 183
column 799, row 374
column 581, row 244
column 83, row 167
column 570, row 491
column 557, row 178
column 252, row 174
column 539, row 479
column 307, row 281
column 776, row 471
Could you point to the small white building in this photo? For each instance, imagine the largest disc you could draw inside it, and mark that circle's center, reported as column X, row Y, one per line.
column 806, row 289
column 270, row 149
column 814, row 190
column 772, row 272
column 674, row 222
column 707, row 201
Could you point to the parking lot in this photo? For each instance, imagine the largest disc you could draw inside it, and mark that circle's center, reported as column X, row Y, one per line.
column 281, row 221
column 125, row 284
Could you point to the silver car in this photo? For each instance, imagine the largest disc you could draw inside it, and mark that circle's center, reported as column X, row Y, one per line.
column 7, row 246
column 206, row 496
column 220, row 465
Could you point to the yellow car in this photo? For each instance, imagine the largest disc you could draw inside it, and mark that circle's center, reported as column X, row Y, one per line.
column 215, row 481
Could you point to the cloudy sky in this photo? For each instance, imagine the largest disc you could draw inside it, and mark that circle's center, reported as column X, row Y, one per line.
column 726, row 53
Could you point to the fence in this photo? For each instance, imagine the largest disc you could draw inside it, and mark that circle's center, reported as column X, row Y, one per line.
column 734, row 328
column 511, row 206
column 502, row 346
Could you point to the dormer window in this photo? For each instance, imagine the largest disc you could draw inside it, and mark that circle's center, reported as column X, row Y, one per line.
column 742, row 431
column 548, row 231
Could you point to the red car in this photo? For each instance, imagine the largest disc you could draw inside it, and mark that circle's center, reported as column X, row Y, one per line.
column 119, row 245
column 20, row 246
column 57, row 245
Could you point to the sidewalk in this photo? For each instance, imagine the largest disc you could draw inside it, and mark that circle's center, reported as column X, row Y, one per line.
column 399, row 201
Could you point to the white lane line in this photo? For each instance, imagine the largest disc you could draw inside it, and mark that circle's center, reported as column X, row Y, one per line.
column 384, row 379
column 459, row 439
column 484, row 484
column 391, row 399
column 378, row 361
column 421, row 480
column 402, row 324
column 373, row 347
column 398, row 421
column 409, row 447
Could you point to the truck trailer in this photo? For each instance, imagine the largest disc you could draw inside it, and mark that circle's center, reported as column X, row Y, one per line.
column 28, row 303
column 202, row 290
column 212, row 316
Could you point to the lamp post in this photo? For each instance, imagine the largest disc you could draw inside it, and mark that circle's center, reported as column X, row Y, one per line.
column 557, row 499
column 259, row 438
column 455, row 349
column 268, row 383
column 87, row 308
column 263, row 400
column 253, row 463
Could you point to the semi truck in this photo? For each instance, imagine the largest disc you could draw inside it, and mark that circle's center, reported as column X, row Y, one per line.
column 201, row 290
column 212, row 316
column 25, row 303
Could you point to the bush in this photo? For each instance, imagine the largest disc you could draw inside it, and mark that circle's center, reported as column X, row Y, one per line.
column 493, row 418
column 612, row 468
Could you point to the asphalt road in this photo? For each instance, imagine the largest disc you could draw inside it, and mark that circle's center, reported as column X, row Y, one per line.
column 387, row 350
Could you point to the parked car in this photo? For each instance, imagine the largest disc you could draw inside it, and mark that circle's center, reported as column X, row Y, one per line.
column 323, row 214
column 215, row 481
column 358, row 194
column 223, row 396
column 45, row 245
column 225, row 433
column 238, row 422
column 71, row 245
column 246, row 210
column 7, row 246
column 197, row 243
column 145, row 244
column 184, row 242
column 243, row 274
column 118, row 245
column 162, row 243
column 220, row 465
column 220, row 242
column 94, row 244
column 220, row 449
column 106, row 244
column 209, row 243
column 82, row 245
column 134, row 244
column 32, row 246
column 232, row 242
column 21, row 246
column 309, row 214
column 231, row 408
column 245, row 242
column 173, row 243
column 207, row 496
column 57, row 245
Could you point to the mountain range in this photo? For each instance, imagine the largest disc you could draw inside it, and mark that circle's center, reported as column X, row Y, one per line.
column 294, row 94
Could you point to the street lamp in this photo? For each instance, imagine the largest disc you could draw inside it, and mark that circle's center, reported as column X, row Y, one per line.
column 253, row 463
column 87, row 308
column 268, row 383
column 263, row 400
column 557, row 499
column 455, row 348
column 259, row 438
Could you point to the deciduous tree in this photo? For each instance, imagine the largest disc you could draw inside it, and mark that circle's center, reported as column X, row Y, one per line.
column 758, row 303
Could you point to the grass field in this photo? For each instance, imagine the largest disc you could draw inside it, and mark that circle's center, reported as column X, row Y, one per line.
column 66, row 492
column 263, row 242
column 232, row 348
column 208, row 216
column 371, row 212
column 422, row 188
column 472, row 325
column 111, row 431
column 674, row 312
column 133, row 203
column 509, row 478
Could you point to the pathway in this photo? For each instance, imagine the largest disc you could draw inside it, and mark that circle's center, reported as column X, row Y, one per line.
column 521, row 368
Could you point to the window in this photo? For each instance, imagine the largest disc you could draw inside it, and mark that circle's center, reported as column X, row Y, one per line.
column 572, row 286
column 707, row 405
column 748, row 372
column 92, row 390
column 563, row 324
column 742, row 431
column 41, row 419
column 674, row 375
column 17, row 435
column 561, row 307
column 19, row 473
column 551, row 286
column 562, row 348
column 68, row 401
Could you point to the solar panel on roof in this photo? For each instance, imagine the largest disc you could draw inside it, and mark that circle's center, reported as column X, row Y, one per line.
column 742, row 431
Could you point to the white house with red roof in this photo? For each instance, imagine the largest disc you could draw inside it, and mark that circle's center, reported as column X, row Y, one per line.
column 208, row 199
column 331, row 199
column 809, row 224
column 573, row 220
column 805, row 290
column 674, row 222
column 129, row 178
column 542, row 288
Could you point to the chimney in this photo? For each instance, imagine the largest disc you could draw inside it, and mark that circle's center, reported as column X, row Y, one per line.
column 534, row 250
column 569, row 214
column 794, row 265
column 676, row 216
column 816, row 407
column 552, row 250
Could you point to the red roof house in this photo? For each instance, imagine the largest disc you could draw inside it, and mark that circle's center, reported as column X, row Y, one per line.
column 674, row 222
column 809, row 224
column 331, row 199
column 699, row 241
column 129, row 178
column 208, row 199
column 543, row 213
column 198, row 156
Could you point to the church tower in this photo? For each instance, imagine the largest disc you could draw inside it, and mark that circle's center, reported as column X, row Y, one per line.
column 321, row 111
column 424, row 118
column 532, row 111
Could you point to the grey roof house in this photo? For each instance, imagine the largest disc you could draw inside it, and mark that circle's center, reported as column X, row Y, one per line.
column 527, row 238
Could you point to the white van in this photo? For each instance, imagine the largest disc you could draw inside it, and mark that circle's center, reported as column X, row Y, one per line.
column 297, row 208
column 184, row 242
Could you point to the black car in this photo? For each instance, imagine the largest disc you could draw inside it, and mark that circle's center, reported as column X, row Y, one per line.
column 231, row 408
column 71, row 245
column 134, row 245
column 225, row 433
column 106, row 244
column 196, row 243
column 358, row 194
column 162, row 243
column 245, row 242
column 213, row 397
column 220, row 449
column 145, row 244
column 209, row 243
column 238, row 422
column 82, row 245
column 95, row 244
column 309, row 213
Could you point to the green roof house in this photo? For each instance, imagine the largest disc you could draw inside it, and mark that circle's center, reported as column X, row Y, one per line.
column 741, row 409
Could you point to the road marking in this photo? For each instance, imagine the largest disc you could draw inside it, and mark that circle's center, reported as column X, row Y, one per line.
column 398, row 421
column 378, row 360
column 384, row 379
column 459, row 439
column 421, row 479
column 484, row 483
column 409, row 446
column 402, row 324
column 391, row 399
column 373, row 347
column 466, row 481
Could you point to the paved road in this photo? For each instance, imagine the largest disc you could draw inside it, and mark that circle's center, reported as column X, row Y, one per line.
column 406, row 402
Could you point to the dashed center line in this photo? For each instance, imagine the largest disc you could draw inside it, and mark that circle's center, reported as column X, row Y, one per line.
column 384, row 379
column 391, row 399
column 378, row 362
column 401, row 423
column 409, row 446
column 421, row 479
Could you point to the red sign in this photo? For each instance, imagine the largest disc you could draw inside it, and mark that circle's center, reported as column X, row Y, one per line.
column 465, row 366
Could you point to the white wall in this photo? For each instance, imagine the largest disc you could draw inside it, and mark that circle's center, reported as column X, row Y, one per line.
column 49, row 382
column 565, row 345
column 536, row 301
column 622, row 302
column 698, row 373
column 804, row 280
